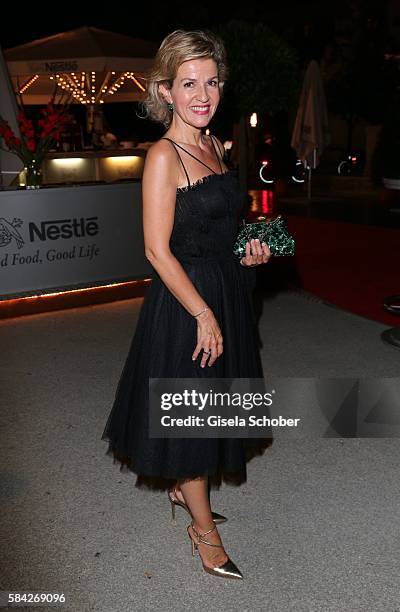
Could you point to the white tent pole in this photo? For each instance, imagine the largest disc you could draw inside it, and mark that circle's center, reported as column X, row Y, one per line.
column 10, row 165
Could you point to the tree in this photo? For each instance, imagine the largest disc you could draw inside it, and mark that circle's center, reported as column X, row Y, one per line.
column 359, row 87
column 263, row 77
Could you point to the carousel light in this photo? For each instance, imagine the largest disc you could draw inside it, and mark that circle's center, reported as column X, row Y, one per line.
column 28, row 83
column 132, row 78
column 84, row 89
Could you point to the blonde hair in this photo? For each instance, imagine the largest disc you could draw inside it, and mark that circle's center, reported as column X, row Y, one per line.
column 176, row 48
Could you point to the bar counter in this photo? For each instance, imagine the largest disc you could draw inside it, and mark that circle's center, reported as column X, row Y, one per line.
column 59, row 243
column 93, row 165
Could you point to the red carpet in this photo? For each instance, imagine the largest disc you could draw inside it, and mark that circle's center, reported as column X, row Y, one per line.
column 350, row 265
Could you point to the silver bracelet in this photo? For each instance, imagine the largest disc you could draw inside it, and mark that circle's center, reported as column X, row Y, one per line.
column 199, row 313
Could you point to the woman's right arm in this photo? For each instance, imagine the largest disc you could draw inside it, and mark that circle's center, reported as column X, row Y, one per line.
column 159, row 185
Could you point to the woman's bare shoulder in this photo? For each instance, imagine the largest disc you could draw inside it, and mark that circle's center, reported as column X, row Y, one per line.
column 162, row 153
column 161, row 147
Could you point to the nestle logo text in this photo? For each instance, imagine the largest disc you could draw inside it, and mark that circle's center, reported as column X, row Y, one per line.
column 63, row 228
column 61, row 66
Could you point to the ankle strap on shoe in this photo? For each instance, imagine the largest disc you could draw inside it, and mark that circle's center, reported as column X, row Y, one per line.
column 200, row 538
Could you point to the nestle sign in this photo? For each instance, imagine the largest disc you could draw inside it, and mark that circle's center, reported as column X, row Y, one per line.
column 61, row 66
column 63, row 228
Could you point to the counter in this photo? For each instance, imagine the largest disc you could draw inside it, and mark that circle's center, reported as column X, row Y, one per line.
column 89, row 166
column 63, row 237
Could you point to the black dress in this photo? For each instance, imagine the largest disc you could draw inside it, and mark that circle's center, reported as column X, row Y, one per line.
column 205, row 228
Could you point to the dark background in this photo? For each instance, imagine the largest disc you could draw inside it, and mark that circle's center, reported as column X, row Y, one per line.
column 154, row 20
column 315, row 29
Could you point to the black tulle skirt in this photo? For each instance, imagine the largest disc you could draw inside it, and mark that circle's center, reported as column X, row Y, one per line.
column 162, row 347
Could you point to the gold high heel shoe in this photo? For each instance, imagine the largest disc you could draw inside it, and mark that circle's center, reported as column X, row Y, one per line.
column 227, row 569
column 217, row 518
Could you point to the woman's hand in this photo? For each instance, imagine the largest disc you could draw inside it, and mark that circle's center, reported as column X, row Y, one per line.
column 209, row 338
column 259, row 253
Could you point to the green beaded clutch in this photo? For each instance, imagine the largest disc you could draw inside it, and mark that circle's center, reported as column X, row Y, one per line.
column 272, row 231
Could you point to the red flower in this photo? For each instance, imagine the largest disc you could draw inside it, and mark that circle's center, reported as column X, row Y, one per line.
column 31, row 145
column 35, row 139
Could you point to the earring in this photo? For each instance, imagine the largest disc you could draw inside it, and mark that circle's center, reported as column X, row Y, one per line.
column 170, row 106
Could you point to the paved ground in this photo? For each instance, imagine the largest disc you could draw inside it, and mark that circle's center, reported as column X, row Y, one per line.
column 314, row 529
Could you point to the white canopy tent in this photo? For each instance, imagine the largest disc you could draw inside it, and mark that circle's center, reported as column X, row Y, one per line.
column 87, row 65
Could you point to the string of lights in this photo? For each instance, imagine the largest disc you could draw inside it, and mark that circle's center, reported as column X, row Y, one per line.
column 83, row 86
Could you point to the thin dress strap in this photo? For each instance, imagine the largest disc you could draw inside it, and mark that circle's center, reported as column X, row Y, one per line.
column 219, row 161
column 199, row 160
column 187, row 176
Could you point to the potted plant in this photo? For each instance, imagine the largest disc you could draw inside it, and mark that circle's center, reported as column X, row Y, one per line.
column 34, row 141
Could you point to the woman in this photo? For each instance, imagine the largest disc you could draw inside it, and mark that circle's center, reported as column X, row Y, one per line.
column 196, row 318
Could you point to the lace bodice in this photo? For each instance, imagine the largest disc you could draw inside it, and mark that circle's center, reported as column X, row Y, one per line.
column 206, row 218
column 207, row 215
